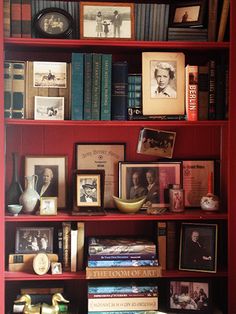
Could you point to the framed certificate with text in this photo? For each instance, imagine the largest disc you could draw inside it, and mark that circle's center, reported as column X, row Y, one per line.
column 102, row 156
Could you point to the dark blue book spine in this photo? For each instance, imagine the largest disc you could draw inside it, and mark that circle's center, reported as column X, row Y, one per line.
column 119, row 99
column 77, row 86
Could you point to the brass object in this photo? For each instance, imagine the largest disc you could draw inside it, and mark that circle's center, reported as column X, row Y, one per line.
column 28, row 307
column 129, row 206
column 54, row 308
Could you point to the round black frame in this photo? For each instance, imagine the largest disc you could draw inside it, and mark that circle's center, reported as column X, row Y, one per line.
column 42, row 15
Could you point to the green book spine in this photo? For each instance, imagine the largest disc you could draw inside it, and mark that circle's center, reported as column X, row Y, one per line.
column 8, row 89
column 106, row 87
column 77, row 86
column 96, row 86
column 18, row 90
column 87, row 86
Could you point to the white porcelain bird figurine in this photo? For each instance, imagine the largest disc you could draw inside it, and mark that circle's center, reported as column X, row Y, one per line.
column 28, row 307
column 54, row 308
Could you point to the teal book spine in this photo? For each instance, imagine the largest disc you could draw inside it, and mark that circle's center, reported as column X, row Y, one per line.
column 96, row 86
column 77, row 86
column 7, row 89
column 87, row 86
column 18, row 90
column 106, row 87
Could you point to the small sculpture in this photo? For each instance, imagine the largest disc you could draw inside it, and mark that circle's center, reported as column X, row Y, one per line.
column 54, row 308
column 28, row 307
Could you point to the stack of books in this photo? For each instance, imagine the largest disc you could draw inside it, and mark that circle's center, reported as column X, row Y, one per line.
column 122, row 297
column 121, row 257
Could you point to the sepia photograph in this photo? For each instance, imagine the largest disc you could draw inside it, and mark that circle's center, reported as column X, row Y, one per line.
column 106, row 20
column 49, row 74
column 48, row 206
column 48, row 108
column 198, row 247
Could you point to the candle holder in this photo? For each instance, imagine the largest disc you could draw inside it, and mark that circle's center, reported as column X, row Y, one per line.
column 210, row 202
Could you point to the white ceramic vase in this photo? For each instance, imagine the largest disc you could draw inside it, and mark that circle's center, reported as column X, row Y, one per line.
column 30, row 197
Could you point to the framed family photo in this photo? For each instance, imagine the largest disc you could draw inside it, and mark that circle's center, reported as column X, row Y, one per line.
column 163, row 76
column 198, row 247
column 48, row 108
column 189, row 296
column 152, row 179
column 106, row 20
column 51, row 172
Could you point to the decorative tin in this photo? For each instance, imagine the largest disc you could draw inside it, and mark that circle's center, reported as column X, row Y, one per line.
column 176, row 194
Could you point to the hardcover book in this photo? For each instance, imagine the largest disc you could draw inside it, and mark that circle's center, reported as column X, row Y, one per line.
column 106, row 87
column 212, row 90
column 161, row 243
column 7, row 18
column 96, row 86
column 66, row 228
column 73, row 251
column 203, row 92
column 191, row 94
column 15, row 18
column 26, row 18
column 88, row 86
column 122, row 263
column 80, row 245
column 18, row 90
column 8, row 89
column 77, row 86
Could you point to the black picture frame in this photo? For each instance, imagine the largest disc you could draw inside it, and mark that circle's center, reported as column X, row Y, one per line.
column 53, row 23
column 187, row 14
column 198, row 247
column 187, row 295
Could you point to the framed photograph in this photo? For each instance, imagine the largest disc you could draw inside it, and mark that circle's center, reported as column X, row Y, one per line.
column 33, row 240
column 56, row 268
column 48, row 108
column 189, row 296
column 106, row 20
column 104, row 156
column 53, row 23
column 89, row 191
column 49, row 74
column 152, row 179
column 196, row 180
column 198, row 247
column 185, row 14
column 163, row 83
column 156, row 142
column 48, row 206
column 51, row 172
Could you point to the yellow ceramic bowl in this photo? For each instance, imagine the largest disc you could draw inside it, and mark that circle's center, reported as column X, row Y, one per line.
column 129, row 206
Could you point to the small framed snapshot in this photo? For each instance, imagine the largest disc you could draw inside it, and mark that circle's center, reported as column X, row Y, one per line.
column 189, row 13
column 48, row 108
column 49, row 74
column 163, row 83
column 89, row 191
column 104, row 156
column 196, row 174
column 152, row 179
column 106, row 20
column 53, row 23
column 198, row 247
column 48, row 206
column 156, row 142
column 32, row 240
column 56, row 268
column 189, row 296
column 51, row 174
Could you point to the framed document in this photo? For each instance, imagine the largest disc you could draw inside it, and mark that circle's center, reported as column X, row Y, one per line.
column 102, row 156
column 195, row 180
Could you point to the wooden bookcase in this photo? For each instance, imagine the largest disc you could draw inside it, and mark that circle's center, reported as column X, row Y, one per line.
column 201, row 139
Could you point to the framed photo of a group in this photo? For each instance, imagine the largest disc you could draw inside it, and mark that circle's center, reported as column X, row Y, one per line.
column 163, row 83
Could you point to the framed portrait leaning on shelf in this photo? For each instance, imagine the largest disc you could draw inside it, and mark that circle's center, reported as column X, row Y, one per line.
column 52, row 176
column 106, row 20
column 198, row 247
column 163, row 83
column 152, row 179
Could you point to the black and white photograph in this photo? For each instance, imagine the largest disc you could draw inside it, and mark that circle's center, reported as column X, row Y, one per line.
column 51, row 174
column 189, row 296
column 56, row 268
column 163, row 83
column 198, row 247
column 48, row 206
column 49, row 74
column 106, row 20
column 31, row 240
column 152, row 179
column 156, row 142
column 48, row 108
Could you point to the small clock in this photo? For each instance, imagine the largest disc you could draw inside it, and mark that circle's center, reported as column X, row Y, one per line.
column 41, row 263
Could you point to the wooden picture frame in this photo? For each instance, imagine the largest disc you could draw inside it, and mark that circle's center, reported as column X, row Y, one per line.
column 198, row 247
column 33, row 240
column 53, row 168
column 189, row 295
column 163, row 85
column 48, row 206
column 102, row 156
column 186, row 14
column 162, row 175
column 88, row 192
column 107, row 20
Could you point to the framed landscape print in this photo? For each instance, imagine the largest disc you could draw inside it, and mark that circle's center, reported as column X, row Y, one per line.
column 102, row 156
column 163, row 76
column 106, row 20
column 198, row 247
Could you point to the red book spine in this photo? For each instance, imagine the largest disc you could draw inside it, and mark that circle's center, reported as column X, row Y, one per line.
column 26, row 18
column 16, row 18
